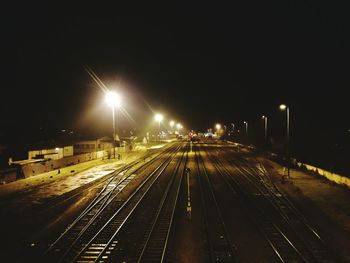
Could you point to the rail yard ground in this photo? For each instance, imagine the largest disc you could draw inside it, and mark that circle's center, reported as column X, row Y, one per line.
column 233, row 206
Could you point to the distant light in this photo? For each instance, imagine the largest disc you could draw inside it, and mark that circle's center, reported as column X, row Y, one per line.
column 63, row 130
column 172, row 123
column 158, row 117
column 57, row 149
column 245, row 122
column 218, row 126
column 263, row 117
column 179, row 126
column 113, row 99
column 283, row 106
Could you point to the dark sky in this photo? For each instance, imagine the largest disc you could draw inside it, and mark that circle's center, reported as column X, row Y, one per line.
column 200, row 64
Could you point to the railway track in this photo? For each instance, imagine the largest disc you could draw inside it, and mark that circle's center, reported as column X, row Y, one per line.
column 221, row 249
column 285, row 229
column 306, row 233
column 118, row 240
column 155, row 245
column 98, row 212
column 99, row 183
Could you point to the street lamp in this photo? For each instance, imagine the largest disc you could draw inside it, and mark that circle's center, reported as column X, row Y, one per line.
column 178, row 127
column 158, row 117
column 246, row 127
column 246, row 131
column 113, row 100
column 265, row 127
column 286, row 108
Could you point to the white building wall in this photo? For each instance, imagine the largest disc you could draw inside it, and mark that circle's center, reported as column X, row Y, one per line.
column 56, row 153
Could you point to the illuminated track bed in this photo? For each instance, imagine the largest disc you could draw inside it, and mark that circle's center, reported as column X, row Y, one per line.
column 94, row 235
column 221, row 248
column 186, row 202
column 285, row 229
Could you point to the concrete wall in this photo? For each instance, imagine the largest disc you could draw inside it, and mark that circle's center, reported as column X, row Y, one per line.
column 336, row 178
column 52, row 156
column 68, row 151
column 339, row 179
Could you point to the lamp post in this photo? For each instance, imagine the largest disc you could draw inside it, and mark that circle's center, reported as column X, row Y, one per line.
column 158, row 117
column 286, row 108
column 265, row 127
column 172, row 123
column 113, row 100
column 246, row 130
column 246, row 127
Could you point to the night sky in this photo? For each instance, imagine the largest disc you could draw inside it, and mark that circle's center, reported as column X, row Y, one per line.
column 198, row 64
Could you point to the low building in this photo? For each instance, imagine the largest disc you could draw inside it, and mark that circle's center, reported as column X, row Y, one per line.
column 53, row 154
column 87, row 146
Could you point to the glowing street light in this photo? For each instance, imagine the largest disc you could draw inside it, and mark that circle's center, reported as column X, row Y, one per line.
column 172, row 123
column 113, row 100
column 285, row 107
column 179, row 127
column 158, row 117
